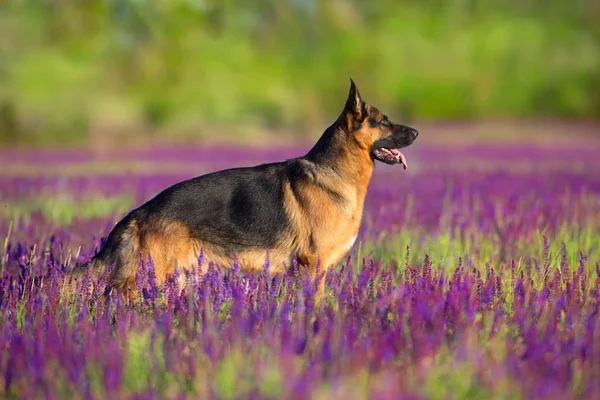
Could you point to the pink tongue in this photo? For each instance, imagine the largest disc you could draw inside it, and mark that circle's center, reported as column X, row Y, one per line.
column 402, row 158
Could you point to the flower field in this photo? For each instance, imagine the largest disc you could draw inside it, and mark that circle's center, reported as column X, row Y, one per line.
column 476, row 275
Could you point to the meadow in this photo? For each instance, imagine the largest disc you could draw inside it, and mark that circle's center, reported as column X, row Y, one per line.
column 476, row 275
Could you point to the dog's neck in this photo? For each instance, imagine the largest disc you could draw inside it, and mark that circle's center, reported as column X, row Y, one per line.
column 337, row 151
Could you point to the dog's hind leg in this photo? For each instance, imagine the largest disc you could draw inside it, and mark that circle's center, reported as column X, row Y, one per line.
column 169, row 246
column 126, row 256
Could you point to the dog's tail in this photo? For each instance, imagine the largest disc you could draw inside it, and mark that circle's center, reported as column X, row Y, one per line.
column 116, row 264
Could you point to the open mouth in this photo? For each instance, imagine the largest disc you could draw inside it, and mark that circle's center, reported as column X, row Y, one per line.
column 390, row 156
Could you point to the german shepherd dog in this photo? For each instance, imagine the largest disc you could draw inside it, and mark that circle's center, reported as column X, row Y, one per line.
column 308, row 207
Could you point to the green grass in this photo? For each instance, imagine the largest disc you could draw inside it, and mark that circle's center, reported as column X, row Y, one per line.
column 445, row 249
column 62, row 209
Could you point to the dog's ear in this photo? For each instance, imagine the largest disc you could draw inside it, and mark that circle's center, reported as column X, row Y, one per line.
column 355, row 106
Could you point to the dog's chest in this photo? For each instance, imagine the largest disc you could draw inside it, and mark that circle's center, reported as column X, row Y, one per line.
column 339, row 244
column 351, row 242
column 344, row 237
column 334, row 224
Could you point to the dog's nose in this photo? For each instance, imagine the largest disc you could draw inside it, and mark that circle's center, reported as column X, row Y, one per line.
column 414, row 133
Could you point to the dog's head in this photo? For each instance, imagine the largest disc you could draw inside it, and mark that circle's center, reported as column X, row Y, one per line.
column 374, row 132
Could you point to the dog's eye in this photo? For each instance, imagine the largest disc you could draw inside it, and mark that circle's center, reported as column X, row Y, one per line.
column 385, row 122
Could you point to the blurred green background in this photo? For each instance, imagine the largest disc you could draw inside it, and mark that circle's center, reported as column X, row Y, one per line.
column 74, row 71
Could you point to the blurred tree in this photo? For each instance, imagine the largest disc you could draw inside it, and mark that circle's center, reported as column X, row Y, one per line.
column 175, row 64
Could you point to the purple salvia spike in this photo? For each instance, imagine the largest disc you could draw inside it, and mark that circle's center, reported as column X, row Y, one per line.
column 371, row 280
column 478, row 293
column 266, row 267
column 194, row 280
column 582, row 262
column 296, row 268
column 546, row 254
column 235, row 268
column 151, row 287
column 201, row 258
column 513, row 267
column 538, row 268
column 318, row 271
column 426, row 273
column 413, row 280
column 564, row 264
column 140, row 276
column 275, row 284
